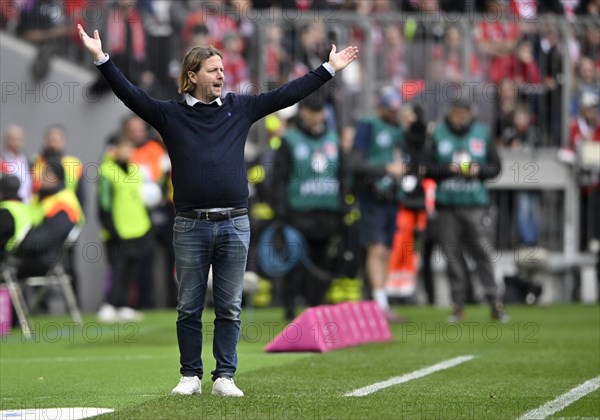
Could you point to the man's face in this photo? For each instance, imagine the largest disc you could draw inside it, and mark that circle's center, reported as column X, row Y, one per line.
column 312, row 119
column 13, row 140
column 124, row 151
column 209, row 79
column 55, row 140
column 458, row 117
column 135, row 130
column 590, row 113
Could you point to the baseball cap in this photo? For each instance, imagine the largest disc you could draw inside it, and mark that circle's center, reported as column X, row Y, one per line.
column 461, row 102
column 390, row 98
column 589, row 99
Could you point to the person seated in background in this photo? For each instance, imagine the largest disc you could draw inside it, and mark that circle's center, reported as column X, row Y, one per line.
column 15, row 220
column 13, row 160
column 54, row 211
column 54, row 151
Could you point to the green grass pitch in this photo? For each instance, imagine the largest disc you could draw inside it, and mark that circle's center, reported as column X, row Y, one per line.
column 542, row 353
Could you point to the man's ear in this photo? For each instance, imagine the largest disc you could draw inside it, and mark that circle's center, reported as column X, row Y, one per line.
column 192, row 76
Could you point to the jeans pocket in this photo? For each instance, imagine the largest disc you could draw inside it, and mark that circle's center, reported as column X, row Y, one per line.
column 183, row 224
column 241, row 223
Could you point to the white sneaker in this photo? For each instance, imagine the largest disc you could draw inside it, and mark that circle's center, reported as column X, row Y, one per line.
column 188, row 385
column 129, row 314
column 107, row 313
column 225, row 387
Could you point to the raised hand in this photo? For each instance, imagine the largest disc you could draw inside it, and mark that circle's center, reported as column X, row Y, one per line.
column 339, row 60
column 93, row 45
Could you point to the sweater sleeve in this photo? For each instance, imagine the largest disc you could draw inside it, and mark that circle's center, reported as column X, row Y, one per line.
column 259, row 106
column 493, row 166
column 149, row 109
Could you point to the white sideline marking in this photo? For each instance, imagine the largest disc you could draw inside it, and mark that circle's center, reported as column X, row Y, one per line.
column 71, row 413
column 361, row 392
column 563, row 401
column 79, row 359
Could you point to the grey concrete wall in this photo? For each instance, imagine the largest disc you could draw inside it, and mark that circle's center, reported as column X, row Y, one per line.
column 63, row 97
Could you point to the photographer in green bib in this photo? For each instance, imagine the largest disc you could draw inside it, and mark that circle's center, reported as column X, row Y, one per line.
column 377, row 168
column 465, row 157
column 309, row 198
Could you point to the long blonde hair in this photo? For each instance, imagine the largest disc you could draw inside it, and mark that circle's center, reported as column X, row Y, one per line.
column 192, row 62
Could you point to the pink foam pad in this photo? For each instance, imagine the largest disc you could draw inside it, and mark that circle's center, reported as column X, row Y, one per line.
column 5, row 311
column 330, row 327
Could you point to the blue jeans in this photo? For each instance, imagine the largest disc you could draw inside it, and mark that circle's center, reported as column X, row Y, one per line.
column 198, row 244
column 527, row 217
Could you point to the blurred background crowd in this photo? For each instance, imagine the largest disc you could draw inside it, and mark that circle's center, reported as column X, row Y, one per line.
column 527, row 70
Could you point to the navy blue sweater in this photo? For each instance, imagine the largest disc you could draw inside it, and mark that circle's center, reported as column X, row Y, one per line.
column 206, row 142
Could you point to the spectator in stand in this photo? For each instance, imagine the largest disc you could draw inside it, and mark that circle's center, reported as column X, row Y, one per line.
column 549, row 55
column 126, row 39
column 76, row 14
column 274, row 54
column 393, row 51
column 496, row 35
column 585, row 129
column 214, row 15
column 590, row 45
column 451, row 54
column 588, row 7
column 531, row 9
column 179, row 12
column 44, row 24
column 508, row 98
column 424, row 35
column 15, row 162
column 587, row 80
column 238, row 77
column 524, row 137
column 9, row 15
column 520, row 67
column 159, row 35
column 586, row 126
column 312, row 48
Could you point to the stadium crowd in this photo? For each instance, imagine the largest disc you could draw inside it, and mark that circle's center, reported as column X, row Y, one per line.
column 354, row 185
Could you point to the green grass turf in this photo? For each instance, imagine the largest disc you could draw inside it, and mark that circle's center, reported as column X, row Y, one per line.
column 540, row 354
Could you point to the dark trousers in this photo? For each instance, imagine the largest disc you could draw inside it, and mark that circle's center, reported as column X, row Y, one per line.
column 301, row 282
column 126, row 258
column 462, row 232
column 318, row 228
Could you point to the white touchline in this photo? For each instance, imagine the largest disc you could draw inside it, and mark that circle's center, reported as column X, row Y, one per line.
column 563, row 401
column 361, row 392
column 74, row 359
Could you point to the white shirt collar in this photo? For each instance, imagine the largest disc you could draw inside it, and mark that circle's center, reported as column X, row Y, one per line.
column 191, row 101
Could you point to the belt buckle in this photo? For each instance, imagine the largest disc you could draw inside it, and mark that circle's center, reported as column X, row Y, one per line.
column 207, row 215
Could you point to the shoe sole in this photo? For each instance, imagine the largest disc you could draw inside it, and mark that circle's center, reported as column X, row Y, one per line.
column 220, row 394
column 181, row 393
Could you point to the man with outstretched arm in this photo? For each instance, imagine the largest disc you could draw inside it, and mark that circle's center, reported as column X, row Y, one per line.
column 205, row 136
